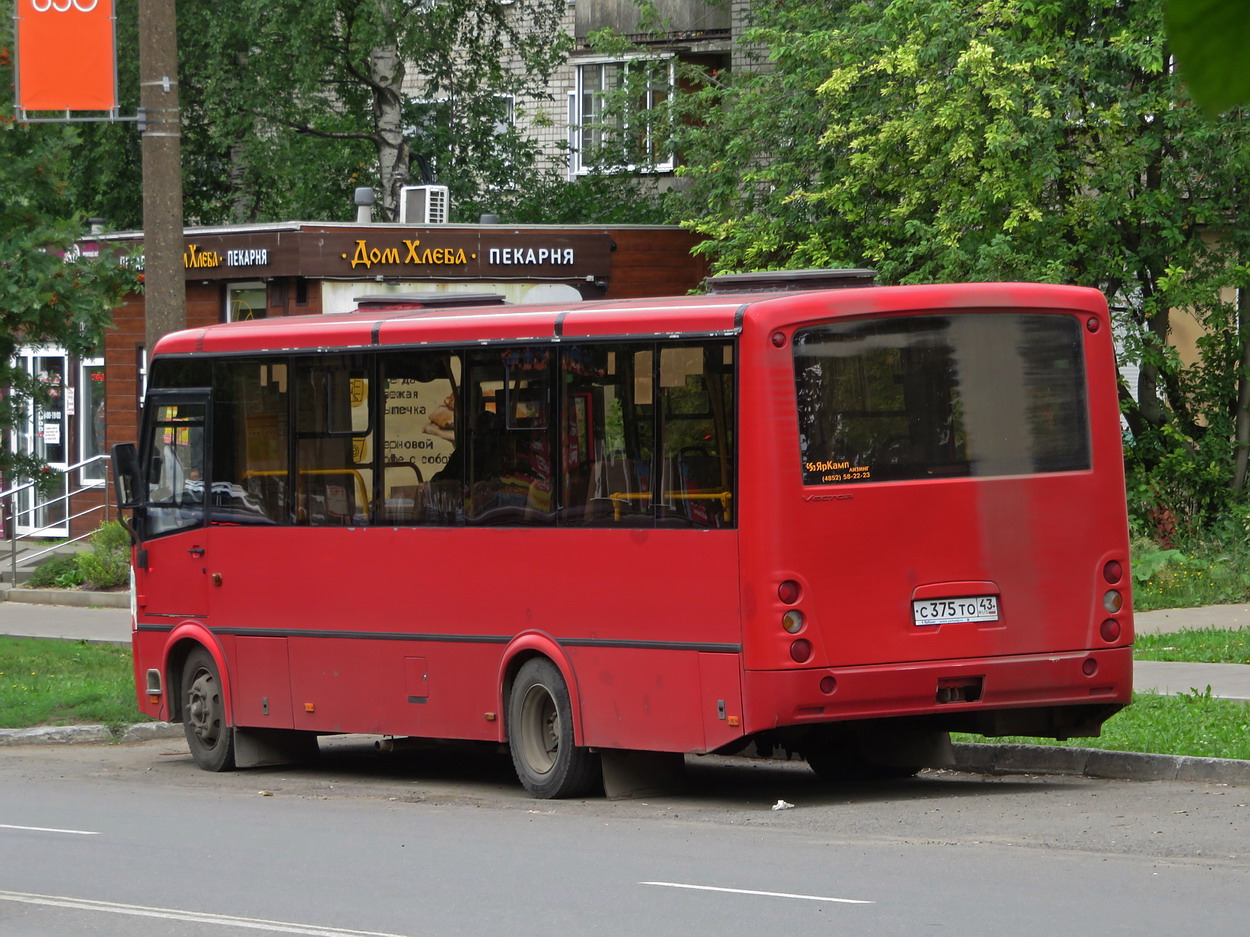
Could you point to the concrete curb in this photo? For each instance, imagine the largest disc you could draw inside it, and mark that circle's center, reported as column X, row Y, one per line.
column 75, row 597
column 63, row 735
column 1099, row 763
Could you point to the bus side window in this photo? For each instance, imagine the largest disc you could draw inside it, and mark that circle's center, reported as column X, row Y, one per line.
column 250, row 442
column 422, row 481
column 696, row 387
column 334, row 441
column 607, row 435
column 175, row 470
column 510, row 423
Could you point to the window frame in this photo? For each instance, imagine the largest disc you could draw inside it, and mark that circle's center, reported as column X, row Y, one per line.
column 579, row 165
column 85, row 412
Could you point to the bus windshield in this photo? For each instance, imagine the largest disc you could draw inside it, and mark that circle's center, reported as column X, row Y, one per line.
column 932, row 396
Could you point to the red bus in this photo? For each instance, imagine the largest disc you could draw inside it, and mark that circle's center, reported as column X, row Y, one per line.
column 835, row 522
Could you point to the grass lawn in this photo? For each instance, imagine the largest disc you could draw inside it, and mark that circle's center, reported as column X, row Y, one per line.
column 1188, row 724
column 48, row 682
column 1201, row 645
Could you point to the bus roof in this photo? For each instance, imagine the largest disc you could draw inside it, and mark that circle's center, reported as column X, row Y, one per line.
column 664, row 317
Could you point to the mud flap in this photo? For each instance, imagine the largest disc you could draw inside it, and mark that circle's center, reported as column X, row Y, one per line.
column 924, row 747
column 256, row 748
column 628, row 774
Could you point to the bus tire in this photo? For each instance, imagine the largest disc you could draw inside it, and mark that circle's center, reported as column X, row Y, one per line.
column 209, row 735
column 540, row 735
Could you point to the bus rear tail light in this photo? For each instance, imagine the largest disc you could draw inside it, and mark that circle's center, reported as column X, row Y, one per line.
column 1109, row 630
column 793, row 621
column 801, row 651
column 1113, row 572
column 789, row 592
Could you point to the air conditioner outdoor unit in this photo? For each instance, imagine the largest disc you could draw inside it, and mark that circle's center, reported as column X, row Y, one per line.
column 423, row 204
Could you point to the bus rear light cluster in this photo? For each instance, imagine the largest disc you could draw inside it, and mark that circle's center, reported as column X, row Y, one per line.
column 1112, row 603
column 794, row 621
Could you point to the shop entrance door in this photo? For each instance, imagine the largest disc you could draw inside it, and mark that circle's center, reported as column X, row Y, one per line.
column 44, row 433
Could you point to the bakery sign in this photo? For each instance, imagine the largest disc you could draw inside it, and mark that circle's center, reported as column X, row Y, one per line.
column 469, row 254
column 487, row 253
column 198, row 257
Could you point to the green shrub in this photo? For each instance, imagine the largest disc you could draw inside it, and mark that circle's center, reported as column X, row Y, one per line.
column 57, row 572
column 107, row 566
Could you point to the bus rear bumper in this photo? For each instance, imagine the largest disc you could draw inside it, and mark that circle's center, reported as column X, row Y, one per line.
column 992, row 696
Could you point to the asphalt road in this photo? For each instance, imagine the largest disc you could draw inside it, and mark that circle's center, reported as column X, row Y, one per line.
column 134, row 840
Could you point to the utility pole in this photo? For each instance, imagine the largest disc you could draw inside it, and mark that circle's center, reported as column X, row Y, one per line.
column 164, row 285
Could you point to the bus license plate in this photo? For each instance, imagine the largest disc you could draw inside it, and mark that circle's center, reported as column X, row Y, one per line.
column 955, row 611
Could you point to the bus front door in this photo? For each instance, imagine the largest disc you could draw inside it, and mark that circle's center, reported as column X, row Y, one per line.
column 171, row 578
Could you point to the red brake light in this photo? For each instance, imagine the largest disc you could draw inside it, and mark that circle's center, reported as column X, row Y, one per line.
column 801, row 650
column 1109, row 630
column 789, row 591
column 1113, row 572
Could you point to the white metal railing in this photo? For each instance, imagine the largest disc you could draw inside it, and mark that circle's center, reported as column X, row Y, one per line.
column 11, row 516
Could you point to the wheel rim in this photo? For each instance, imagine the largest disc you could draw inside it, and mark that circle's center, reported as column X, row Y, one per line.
column 540, row 729
column 204, row 710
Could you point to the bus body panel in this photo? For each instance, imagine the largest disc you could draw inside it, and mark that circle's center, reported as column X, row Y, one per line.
column 779, row 698
column 371, row 608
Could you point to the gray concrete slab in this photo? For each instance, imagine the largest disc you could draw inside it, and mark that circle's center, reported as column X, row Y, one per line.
column 1227, row 681
column 102, row 625
column 1182, row 619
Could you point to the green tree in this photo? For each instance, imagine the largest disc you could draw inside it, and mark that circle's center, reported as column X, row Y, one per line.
column 1212, row 45
column 317, row 96
column 49, row 293
column 1010, row 139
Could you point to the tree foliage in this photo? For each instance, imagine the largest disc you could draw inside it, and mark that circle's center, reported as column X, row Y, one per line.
column 49, row 293
column 1011, row 139
column 293, row 103
column 1212, row 45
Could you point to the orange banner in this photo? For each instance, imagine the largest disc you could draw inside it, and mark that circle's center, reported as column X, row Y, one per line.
column 66, row 59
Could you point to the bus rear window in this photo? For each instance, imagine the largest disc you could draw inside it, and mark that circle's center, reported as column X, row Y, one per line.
column 934, row 396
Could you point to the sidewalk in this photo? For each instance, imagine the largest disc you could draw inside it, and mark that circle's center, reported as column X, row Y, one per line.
column 94, row 624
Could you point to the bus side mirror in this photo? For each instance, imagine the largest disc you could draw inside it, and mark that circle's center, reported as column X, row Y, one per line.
column 126, row 476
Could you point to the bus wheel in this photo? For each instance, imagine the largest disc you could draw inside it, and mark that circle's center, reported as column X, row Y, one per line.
column 540, row 734
column 204, row 714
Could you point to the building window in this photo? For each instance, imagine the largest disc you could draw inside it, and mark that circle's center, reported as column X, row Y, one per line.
column 617, row 116
column 91, row 420
column 246, row 301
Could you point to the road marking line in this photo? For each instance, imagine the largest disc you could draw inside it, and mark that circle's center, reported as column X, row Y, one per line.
column 767, row 894
column 45, row 829
column 197, row 917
